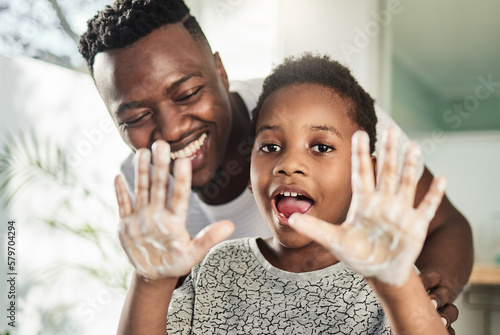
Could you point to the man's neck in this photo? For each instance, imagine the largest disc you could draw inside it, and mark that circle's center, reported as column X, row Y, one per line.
column 234, row 174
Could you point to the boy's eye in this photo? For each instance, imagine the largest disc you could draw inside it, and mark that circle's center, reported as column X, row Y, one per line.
column 322, row 148
column 270, row 148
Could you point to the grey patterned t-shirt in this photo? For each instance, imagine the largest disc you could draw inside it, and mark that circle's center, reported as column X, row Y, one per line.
column 235, row 290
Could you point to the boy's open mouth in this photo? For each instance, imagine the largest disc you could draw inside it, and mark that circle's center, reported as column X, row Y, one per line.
column 287, row 203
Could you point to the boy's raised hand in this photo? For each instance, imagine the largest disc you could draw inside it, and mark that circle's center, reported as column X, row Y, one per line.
column 383, row 233
column 153, row 234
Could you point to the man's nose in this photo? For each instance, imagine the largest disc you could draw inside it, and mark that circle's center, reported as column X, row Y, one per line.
column 171, row 124
column 292, row 162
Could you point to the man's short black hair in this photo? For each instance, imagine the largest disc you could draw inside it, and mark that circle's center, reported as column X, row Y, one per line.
column 127, row 21
column 321, row 70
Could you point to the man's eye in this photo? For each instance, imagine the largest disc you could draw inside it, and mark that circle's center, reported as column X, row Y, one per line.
column 322, row 148
column 270, row 148
column 135, row 121
column 189, row 96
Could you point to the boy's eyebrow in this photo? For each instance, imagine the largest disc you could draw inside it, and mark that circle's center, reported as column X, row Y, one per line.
column 267, row 127
column 174, row 85
column 330, row 129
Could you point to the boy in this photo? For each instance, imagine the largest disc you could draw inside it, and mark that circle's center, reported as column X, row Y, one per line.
column 292, row 283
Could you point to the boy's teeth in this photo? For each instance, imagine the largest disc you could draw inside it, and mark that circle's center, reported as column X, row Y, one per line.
column 290, row 194
column 191, row 149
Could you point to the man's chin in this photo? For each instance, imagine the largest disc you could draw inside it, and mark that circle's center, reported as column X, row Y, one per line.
column 203, row 180
column 206, row 182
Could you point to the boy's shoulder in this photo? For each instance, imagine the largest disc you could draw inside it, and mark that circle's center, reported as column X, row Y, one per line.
column 230, row 249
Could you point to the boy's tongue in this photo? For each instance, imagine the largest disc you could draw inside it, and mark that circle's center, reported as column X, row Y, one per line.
column 289, row 205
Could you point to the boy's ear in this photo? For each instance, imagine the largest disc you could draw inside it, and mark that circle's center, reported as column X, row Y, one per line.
column 374, row 166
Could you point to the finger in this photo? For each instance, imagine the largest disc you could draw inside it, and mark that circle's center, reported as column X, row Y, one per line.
column 427, row 208
column 387, row 178
column 449, row 313
column 430, row 279
column 409, row 180
column 142, row 161
column 161, row 161
column 210, row 236
column 179, row 200
column 324, row 233
column 441, row 295
column 123, row 198
column 363, row 180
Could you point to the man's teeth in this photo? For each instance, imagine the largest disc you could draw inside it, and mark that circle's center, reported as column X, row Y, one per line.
column 191, row 149
column 290, row 194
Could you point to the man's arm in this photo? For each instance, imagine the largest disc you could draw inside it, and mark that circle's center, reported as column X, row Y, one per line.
column 448, row 246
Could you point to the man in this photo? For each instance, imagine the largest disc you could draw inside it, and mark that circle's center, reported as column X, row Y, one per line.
column 159, row 79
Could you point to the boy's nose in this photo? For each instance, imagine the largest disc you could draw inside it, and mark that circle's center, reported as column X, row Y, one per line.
column 291, row 163
column 171, row 125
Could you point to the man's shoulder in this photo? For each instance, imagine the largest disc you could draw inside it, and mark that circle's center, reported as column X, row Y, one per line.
column 249, row 90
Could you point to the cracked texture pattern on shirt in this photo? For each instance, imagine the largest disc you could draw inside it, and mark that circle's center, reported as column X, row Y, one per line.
column 234, row 290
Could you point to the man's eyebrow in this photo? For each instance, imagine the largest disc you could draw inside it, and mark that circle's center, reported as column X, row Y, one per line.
column 181, row 80
column 128, row 105
column 330, row 129
column 267, row 127
column 174, row 85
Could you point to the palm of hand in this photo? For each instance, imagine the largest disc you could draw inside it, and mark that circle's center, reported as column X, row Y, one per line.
column 382, row 238
column 154, row 234
column 159, row 249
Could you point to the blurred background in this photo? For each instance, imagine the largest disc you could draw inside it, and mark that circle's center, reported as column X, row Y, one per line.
column 433, row 65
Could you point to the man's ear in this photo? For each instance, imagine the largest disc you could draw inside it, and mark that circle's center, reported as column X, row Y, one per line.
column 249, row 186
column 374, row 166
column 221, row 70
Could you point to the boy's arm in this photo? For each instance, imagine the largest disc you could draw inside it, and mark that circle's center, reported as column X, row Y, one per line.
column 383, row 233
column 146, row 306
column 153, row 234
column 448, row 247
column 408, row 307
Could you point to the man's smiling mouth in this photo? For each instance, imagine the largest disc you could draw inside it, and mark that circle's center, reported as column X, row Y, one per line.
column 190, row 150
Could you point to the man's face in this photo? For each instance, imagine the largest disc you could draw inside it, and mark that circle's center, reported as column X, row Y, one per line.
column 169, row 86
column 301, row 159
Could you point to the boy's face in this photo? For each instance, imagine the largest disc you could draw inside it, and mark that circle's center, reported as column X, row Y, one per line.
column 168, row 86
column 302, row 146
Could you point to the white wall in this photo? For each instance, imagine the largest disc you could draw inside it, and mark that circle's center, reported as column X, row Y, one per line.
column 471, row 163
column 62, row 105
column 254, row 35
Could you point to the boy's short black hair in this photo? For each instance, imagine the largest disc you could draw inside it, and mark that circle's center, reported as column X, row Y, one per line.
column 310, row 69
column 127, row 21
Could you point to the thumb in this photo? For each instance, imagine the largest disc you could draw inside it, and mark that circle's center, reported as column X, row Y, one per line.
column 324, row 233
column 210, row 236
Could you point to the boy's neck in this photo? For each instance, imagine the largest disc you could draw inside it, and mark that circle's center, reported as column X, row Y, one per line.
column 309, row 258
